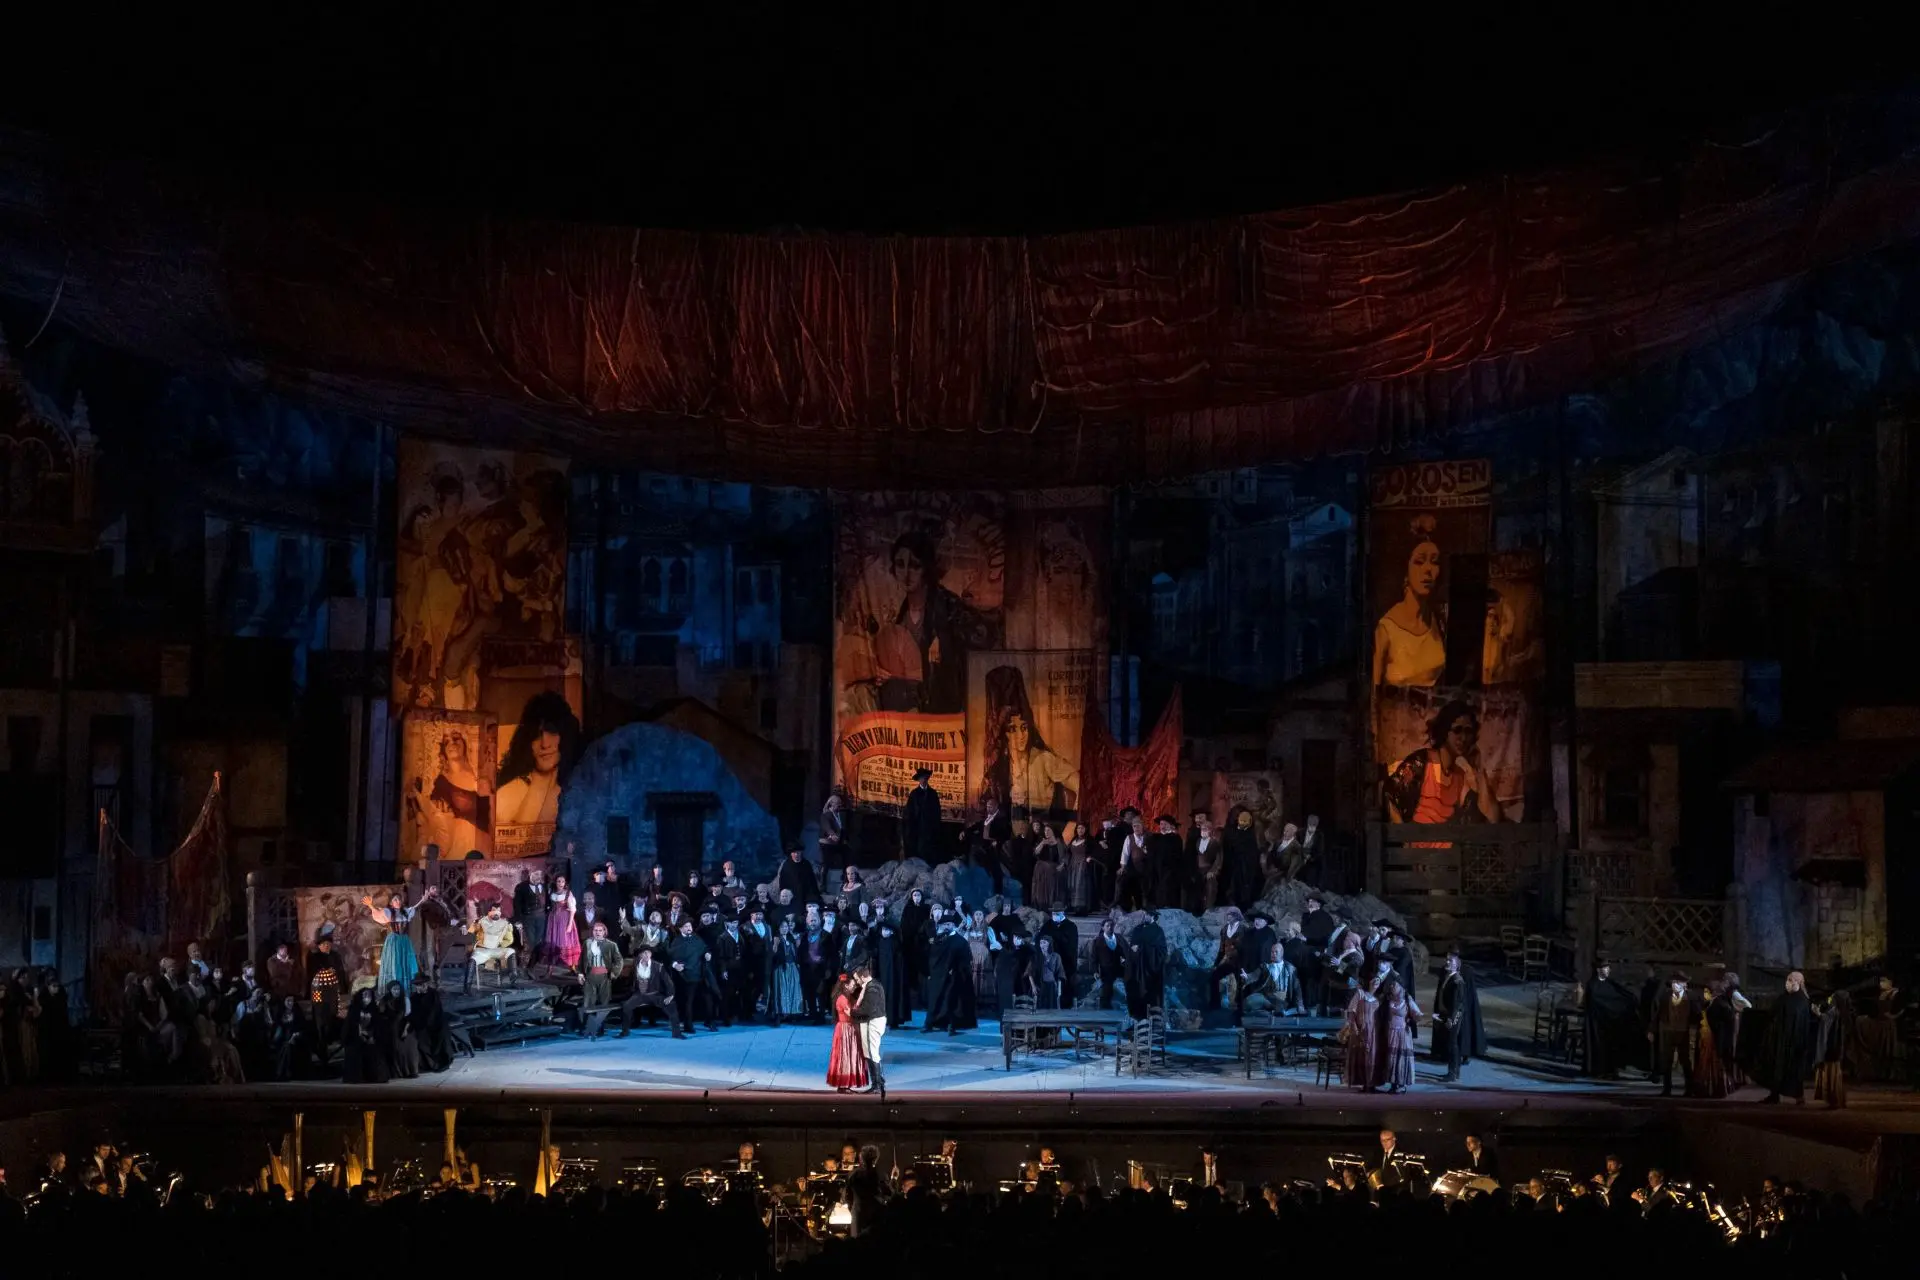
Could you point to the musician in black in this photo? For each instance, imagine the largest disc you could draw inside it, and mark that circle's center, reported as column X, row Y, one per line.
column 1384, row 1171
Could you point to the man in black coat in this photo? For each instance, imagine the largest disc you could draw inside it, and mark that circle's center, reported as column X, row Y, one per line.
column 1786, row 1048
column 651, row 990
column 530, row 905
column 1065, row 936
column 1147, row 966
column 1166, row 862
column 688, row 962
column 796, row 874
column 920, row 831
column 1667, row 1029
column 1611, row 1022
column 1458, row 1031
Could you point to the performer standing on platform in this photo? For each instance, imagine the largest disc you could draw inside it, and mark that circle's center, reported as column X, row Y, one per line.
column 689, row 964
column 1784, row 1052
column 920, row 830
column 600, row 963
column 1611, row 1016
column 846, row 1063
column 1109, row 961
column 1147, row 966
column 1393, row 1051
column 398, row 963
column 530, row 914
column 1359, row 1034
column 870, row 1019
column 1667, row 1031
column 1459, row 1035
column 563, row 929
column 328, row 990
column 1065, row 937
column 784, row 999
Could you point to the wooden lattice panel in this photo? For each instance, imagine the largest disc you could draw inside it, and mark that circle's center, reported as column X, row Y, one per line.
column 1689, row 930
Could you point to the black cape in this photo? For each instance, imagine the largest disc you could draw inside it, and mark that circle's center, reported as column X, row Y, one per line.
column 1471, row 1030
column 1787, row 1047
column 950, row 994
column 1615, row 1040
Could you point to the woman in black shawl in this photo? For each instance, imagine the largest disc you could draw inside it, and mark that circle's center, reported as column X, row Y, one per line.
column 913, row 955
column 430, row 1026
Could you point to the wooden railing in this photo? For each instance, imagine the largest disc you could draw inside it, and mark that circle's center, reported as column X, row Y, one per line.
column 1682, row 933
column 1465, row 881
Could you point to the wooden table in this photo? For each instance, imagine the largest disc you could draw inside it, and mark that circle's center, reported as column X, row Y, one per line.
column 1256, row 1027
column 1078, row 1021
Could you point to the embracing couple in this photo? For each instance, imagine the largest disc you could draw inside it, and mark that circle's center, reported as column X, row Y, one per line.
column 859, row 1024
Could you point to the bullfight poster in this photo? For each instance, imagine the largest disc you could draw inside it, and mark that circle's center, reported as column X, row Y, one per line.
column 924, row 581
column 1026, row 714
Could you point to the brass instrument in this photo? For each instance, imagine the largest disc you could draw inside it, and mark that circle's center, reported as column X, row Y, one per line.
column 1463, row 1184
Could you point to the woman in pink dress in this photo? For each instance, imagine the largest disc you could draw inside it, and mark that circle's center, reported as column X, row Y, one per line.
column 846, row 1064
column 1358, row 1035
column 1393, row 1047
column 563, row 931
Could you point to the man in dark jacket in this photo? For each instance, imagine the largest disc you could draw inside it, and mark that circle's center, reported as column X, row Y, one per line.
column 688, row 961
column 1166, row 861
column 1147, row 966
column 1065, row 936
column 870, row 1020
column 796, row 873
column 920, row 832
column 651, row 990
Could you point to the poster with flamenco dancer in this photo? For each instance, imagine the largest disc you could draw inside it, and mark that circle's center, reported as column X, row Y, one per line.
column 446, row 782
column 1457, row 655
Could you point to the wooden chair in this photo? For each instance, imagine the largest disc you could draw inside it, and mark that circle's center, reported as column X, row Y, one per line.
column 1536, row 954
column 1513, row 948
column 1028, row 1038
column 1329, row 1063
column 1144, row 1048
column 1544, row 1001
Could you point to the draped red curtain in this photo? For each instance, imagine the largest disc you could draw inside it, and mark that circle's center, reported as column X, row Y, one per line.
column 870, row 361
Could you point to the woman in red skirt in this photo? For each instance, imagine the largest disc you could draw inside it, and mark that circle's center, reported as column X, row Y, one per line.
column 846, row 1064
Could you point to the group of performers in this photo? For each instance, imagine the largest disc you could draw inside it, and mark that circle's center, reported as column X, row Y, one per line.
column 1382, row 1023
column 1229, row 854
column 1703, row 1031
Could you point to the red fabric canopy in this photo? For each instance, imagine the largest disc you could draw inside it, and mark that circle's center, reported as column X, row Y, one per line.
column 872, row 362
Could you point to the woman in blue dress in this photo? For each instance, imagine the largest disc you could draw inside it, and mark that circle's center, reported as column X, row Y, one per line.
column 397, row 960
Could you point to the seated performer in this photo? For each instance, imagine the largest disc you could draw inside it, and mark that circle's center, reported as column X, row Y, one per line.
column 492, row 945
column 1271, row 988
column 651, row 990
